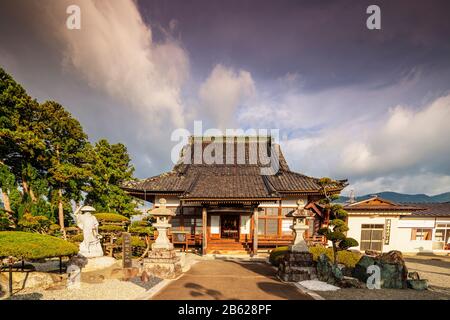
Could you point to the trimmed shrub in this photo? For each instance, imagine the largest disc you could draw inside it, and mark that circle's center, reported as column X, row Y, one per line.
column 30, row 223
column 110, row 228
column 141, row 230
column 111, row 217
column 77, row 238
column 347, row 258
column 135, row 242
column 277, row 254
column 32, row 246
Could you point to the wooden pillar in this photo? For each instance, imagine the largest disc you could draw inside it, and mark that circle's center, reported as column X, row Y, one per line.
column 255, row 230
column 205, row 230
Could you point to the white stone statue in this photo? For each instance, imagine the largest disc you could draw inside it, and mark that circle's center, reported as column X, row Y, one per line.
column 91, row 246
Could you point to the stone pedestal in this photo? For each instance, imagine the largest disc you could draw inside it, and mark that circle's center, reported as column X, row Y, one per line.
column 163, row 263
column 297, row 266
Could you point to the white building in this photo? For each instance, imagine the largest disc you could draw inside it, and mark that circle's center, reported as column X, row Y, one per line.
column 381, row 225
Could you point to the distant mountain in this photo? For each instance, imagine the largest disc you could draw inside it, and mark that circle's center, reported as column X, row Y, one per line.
column 402, row 197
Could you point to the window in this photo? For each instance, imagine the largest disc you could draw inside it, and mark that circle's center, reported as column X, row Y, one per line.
column 286, row 226
column 272, row 227
column 269, row 221
column 198, row 226
column 371, row 237
column 176, row 223
column 421, row 234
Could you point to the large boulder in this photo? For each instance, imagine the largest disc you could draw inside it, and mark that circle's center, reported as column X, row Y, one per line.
column 335, row 275
column 360, row 270
column 393, row 270
column 325, row 269
column 23, row 280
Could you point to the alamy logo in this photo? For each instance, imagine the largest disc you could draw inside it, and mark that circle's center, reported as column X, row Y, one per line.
column 73, row 21
column 374, row 20
column 374, row 280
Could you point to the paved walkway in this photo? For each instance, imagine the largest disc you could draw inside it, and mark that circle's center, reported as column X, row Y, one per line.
column 230, row 280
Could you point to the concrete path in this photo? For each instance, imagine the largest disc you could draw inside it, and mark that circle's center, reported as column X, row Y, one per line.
column 230, row 280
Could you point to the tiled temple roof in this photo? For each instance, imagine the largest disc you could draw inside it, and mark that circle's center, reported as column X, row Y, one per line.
column 432, row 209
column 227, row 181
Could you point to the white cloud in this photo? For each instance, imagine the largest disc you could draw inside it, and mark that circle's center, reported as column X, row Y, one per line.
column 222, row 93
column 404, row 149
column 114, row 51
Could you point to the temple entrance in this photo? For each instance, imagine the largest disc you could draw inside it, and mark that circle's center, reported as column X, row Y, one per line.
column 229, row 226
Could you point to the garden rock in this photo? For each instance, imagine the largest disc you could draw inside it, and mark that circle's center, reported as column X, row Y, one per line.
column 360, row 270
column 324, row 269
column 25, row 280
column 350, row 282
column 417, row 284
column 393, row 270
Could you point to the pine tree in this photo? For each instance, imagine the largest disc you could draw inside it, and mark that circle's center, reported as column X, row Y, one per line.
column 335, row 231
column 110, row 167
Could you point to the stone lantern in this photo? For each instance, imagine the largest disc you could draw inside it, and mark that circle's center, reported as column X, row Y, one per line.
column 162, row 260
column 299, row 227
column 162, row 225
column 297, row 264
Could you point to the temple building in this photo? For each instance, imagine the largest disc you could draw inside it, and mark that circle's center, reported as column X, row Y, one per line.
column 239, row 201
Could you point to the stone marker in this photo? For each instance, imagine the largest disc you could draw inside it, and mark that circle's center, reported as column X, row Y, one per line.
column 127, row 261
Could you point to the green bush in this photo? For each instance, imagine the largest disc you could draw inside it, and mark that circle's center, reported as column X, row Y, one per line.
column 111, row 217
column 141, row 230
column 347, row 258
column 26, row 245
column 77, row 238
column 110, row 228
column 276, row 254
column 30, row 223
column 135, row 242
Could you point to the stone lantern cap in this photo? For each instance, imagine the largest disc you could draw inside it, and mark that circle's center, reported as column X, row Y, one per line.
column 162, row 211
column 87, row 209
column 300, row 212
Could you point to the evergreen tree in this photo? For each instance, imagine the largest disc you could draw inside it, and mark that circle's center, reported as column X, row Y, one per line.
column 110, row 167
column 335, row 231
column 65, row 157
column 21, row 146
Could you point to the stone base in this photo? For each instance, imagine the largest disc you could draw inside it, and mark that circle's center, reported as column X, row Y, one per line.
column 94, row 264
column 297, row 266
column 163, row 264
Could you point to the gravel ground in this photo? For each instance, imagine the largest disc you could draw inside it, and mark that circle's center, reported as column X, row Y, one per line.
column 436, row 269
column 110, row 289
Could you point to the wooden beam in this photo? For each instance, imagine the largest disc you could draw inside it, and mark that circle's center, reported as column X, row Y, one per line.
column 255, row 230
column 205, row 230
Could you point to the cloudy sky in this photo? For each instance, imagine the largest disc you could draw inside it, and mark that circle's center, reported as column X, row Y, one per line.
column 372, row 106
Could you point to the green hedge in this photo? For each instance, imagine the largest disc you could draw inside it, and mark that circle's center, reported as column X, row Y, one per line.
column 135, row 242
column 110, row 228
column 26, row 245
column 111, row 217
column 141, row 230
column 347, row 258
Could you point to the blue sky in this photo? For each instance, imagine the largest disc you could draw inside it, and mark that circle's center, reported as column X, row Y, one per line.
column 368, row 105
